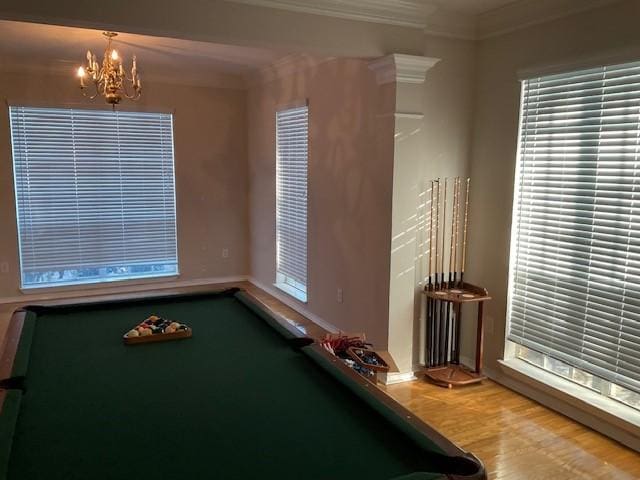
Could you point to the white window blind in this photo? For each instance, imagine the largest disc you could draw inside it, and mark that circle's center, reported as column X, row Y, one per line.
column 291, row 200
column 575, row 261
column 94, row 195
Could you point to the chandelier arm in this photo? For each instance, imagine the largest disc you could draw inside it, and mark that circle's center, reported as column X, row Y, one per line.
column 125, row 90
column 96, row 85
column 90, row 97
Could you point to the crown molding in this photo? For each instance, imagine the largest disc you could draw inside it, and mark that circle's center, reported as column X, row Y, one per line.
column 402, row 68
column 435, row 20
column 450, row 25
column 526, row 13
column 405, row 13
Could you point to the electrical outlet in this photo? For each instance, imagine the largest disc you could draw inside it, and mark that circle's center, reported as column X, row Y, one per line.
column 339, row 296
column 4, row 267
column 225, row 253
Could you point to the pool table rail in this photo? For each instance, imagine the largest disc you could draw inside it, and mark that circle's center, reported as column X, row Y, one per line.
column 396, row 413
column 14, row 340
column 281, row 323
column 11, row 343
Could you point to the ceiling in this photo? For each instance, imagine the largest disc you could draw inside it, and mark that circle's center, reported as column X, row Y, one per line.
column 63, row 49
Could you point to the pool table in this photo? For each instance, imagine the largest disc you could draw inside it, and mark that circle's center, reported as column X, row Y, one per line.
column 247, row 396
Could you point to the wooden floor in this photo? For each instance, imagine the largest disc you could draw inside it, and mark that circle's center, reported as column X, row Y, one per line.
column 516, row 438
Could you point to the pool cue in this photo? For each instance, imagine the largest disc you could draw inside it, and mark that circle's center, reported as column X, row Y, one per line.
column 455, row 328
column 449, row 318
column 427, row 359
column 436, row 316
column 457, row 234
column 434, row 214
column 464, row 233
column 453, row 220
column 443, row 307
column 463, row 260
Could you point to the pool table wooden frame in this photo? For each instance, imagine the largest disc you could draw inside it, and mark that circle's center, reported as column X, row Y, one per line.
column 16, row 324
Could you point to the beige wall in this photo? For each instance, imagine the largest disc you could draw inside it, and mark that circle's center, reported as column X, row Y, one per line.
column 349, row 191
column 596, row 37
column 210, row 165
column 352, row 174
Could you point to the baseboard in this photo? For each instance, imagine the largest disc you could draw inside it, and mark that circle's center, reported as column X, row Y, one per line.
column 397, row 377
column 400, row 377
column 467, row 362
column 294, row 304
column 118, row 289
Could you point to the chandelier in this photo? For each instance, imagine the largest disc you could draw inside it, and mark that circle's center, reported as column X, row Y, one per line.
column 109, row 79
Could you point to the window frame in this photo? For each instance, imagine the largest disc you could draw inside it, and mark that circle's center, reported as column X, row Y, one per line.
column 601, row 394
column 283, row 282
column 93, row 282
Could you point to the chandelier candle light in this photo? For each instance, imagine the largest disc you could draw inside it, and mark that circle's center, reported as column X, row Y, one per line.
column 110, row 79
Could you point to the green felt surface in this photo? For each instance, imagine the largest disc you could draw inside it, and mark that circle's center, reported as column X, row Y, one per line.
column 233, row 402
column 8, row 419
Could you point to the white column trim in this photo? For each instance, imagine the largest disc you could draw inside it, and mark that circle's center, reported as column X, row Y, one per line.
column 402, row 68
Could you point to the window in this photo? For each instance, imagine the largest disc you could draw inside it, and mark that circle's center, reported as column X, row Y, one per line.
column 291, row 201
column 94, row 195
column 574, row 296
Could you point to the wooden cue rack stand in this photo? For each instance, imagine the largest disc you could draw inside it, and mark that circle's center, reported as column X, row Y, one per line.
column 452, row 373
column 445, row 289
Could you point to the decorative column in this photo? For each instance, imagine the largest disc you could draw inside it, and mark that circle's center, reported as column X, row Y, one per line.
column 404, row 117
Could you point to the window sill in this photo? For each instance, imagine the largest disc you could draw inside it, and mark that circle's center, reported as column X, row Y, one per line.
column 293, row 292
column 603, row 414
column 107, row 284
